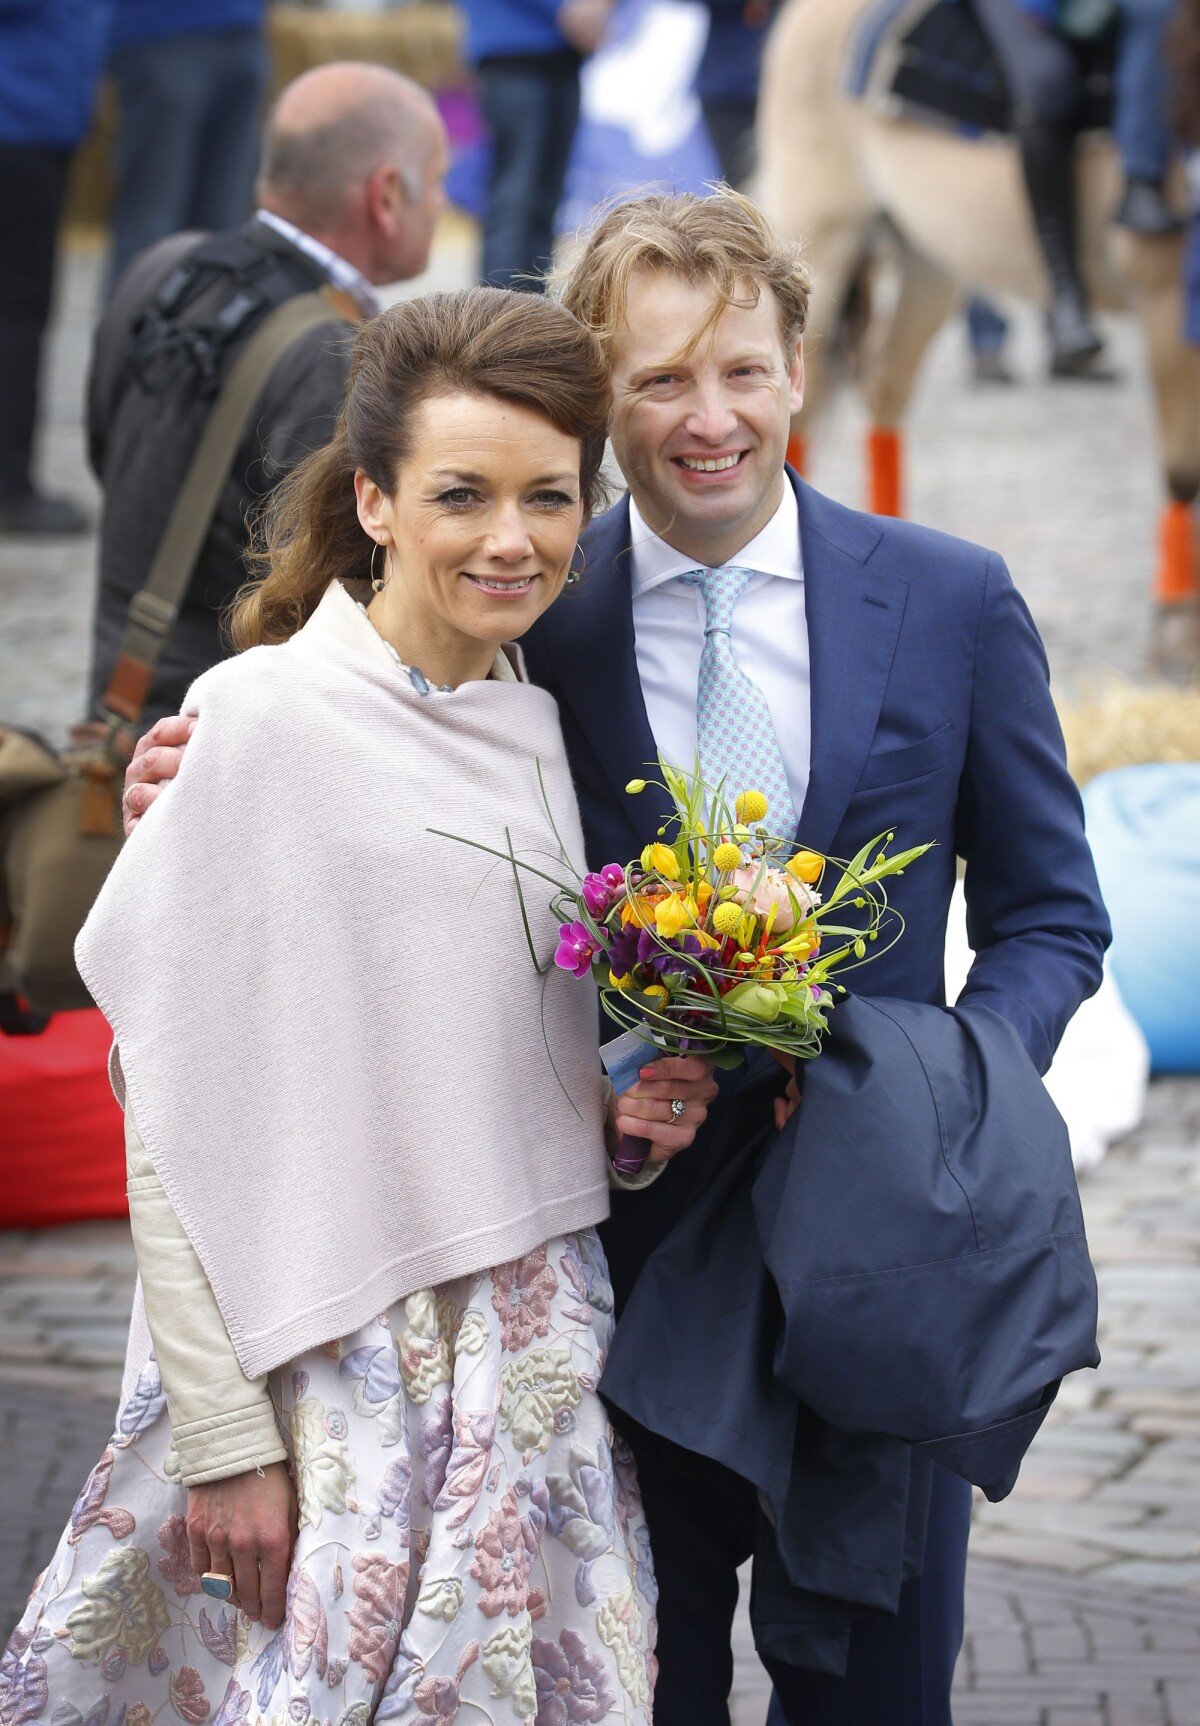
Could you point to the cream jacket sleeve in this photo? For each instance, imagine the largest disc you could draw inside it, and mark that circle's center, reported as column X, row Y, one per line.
column 222, row 1422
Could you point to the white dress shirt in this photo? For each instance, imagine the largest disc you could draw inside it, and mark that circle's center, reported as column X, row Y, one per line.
column 769, row 638
column 341, row 273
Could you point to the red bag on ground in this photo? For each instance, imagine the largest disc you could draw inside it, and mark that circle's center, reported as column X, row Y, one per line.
column 62, row 1136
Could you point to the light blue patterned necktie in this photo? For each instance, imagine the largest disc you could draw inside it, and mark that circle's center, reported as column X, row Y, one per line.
column 734, row 729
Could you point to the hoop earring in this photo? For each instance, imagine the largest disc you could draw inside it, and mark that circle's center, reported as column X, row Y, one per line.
column 377, row 581
column 575, row 576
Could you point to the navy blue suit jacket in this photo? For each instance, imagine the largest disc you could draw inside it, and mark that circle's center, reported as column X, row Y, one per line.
column 930, row 716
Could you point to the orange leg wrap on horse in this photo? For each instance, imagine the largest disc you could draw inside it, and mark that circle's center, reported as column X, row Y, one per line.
column 1178, row 577
column 797, row 452
column 884, row 451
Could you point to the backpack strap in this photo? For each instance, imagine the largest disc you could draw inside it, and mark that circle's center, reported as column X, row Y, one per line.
column 153, row 611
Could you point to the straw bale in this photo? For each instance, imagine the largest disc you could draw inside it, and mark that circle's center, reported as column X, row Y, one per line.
column 1121, row 723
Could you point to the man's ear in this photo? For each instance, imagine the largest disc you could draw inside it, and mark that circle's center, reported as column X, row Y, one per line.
column 386, row 197
column 796, row 379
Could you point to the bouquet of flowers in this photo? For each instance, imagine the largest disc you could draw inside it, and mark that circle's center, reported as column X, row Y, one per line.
column 721, row 935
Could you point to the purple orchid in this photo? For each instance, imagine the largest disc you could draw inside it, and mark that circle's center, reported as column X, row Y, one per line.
column 577, row 949
column 601, row 889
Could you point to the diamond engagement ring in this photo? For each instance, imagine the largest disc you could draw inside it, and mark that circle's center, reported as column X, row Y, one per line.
column 217, row 1586
column 678, row 1108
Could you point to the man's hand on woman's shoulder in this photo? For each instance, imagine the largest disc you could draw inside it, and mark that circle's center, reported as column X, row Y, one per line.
column 155, row 760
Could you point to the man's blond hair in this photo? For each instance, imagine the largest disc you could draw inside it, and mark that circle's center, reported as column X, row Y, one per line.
column 721, row 240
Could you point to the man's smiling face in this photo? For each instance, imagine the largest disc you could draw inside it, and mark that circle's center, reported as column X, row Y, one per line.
column 701, row 436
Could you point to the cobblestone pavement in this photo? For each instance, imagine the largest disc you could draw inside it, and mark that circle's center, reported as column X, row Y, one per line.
column 1084, row 1586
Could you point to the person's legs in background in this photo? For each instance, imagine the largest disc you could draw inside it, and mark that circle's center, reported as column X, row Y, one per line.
column 1044, row 82
column 531, row 106
column 162, row 101
column 987, row 332
column 901, row 1669
column 33, row 186
column 238, row 69
column 1140, row 117
column 730, row 125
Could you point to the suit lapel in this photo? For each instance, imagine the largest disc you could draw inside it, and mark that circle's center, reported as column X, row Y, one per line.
column 853, row 614
column 595, row 661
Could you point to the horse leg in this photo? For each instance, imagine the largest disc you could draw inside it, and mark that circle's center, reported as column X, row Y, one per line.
column 895, row 348
column 835, row 252
column 1154, row 270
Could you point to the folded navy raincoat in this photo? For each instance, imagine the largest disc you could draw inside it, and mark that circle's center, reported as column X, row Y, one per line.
column 901, row 1277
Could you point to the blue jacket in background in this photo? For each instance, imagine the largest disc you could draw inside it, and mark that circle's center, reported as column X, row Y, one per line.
column 137, row 21
column 51, row 53
column 497, row 27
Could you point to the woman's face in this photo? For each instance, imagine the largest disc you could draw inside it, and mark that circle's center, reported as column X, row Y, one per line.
column 483, row 520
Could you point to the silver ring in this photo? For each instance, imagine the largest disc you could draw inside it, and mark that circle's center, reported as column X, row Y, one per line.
column 215, row 1585
column 678, row 1108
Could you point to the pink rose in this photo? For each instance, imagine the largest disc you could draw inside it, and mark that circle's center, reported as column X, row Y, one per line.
column 775, row 890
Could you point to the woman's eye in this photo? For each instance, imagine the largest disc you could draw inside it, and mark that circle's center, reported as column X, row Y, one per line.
column 553, row 499
column 457, row 497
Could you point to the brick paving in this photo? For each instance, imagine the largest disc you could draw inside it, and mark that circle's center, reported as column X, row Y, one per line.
column 1084, row 1588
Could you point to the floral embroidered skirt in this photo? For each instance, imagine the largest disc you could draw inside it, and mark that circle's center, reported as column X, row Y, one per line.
column 471, row 1548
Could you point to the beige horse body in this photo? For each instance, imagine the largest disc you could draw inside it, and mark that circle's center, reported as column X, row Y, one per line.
column 831, row 166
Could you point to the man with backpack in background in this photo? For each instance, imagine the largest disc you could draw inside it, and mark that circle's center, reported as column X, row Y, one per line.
column 349, row 193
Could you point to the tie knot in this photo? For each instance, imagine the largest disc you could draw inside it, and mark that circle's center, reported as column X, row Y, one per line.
column 721, row 589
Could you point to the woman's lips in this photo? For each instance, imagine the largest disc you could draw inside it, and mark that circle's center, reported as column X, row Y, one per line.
column 501, row 587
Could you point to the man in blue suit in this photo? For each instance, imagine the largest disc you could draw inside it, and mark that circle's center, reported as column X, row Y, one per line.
column 876, row 676
column 907, row 689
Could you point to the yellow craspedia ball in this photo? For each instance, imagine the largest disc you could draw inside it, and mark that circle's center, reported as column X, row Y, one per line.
column 727, row 856
column 750, row 806
column 806, row 866
column 726, row 919
column 662, row 860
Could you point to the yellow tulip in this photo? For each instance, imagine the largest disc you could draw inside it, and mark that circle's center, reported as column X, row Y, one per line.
column 727, row 857
column 671, row 915
column 662, row 861
column 806, row 866
column 750, row 806
column 634, row 786
column 704, row 892
column 638, row 909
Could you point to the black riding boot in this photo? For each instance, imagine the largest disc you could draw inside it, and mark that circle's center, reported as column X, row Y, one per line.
column 1048, row 160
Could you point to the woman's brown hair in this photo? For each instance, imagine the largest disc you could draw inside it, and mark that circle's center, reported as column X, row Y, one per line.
column 484, row 341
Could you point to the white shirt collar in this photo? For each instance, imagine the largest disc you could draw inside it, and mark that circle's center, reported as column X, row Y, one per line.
column 774, row 551
column 341, row 273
